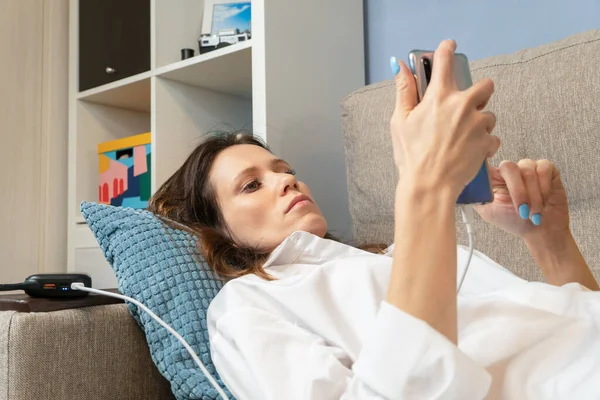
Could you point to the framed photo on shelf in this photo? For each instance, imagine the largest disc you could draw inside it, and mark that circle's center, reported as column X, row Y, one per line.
column 226, row 15
column 225, row 22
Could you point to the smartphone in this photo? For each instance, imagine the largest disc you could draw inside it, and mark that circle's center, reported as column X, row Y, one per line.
column 479, row 190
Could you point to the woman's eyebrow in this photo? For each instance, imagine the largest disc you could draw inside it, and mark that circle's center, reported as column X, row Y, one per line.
column 247, row 171
column 243, row 173
column 276, row 161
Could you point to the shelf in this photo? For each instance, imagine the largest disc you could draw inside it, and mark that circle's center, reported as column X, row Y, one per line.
column 131, row 93
column 227, row 70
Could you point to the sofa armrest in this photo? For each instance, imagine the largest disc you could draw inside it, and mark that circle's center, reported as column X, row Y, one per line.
column 90, row 352
column 25, row 303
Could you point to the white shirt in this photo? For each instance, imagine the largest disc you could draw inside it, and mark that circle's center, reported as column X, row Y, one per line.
column 323, row 331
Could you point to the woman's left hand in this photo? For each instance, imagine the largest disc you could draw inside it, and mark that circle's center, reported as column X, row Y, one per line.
column 529, row 199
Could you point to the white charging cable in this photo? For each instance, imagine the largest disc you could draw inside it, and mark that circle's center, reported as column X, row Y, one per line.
column 467, row 215
column 213, row 382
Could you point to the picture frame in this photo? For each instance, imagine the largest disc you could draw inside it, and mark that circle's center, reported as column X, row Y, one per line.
column 233, row 12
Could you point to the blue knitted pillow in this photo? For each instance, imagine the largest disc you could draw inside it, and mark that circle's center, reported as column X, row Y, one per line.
column 162, row 268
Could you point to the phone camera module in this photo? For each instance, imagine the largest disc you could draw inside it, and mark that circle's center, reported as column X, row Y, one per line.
column 427, row 68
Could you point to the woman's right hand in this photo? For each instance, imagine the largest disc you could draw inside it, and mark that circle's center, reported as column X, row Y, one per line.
column 442, row 141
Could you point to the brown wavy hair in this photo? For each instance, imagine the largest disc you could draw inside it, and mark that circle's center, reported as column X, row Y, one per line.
column 188, row 198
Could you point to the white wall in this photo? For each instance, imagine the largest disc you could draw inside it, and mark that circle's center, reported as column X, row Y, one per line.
column 308, row 70
column 33, row 137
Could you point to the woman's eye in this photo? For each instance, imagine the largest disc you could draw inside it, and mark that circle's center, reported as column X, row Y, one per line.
column 291, row 171
column 251, row 186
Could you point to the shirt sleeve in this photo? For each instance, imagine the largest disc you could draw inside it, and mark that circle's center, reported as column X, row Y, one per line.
column 262, row 356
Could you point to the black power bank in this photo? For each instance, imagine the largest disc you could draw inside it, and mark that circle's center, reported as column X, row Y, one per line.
column 56, row 285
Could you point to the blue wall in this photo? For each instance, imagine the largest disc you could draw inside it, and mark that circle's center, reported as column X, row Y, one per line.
column 481, row 28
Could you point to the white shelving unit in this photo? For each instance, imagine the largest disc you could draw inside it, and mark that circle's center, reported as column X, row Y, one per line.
column 285, row 84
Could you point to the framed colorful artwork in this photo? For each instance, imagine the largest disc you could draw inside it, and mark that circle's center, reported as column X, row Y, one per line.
column 124, row 168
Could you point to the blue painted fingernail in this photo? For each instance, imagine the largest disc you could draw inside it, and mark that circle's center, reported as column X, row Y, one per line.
column 536, row 219
column 394, row 65
column 524, row 211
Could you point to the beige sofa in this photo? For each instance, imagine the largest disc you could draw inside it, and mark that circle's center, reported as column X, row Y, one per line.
column 547, row 101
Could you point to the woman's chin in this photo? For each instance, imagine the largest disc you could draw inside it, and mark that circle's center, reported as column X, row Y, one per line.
column 313, row 223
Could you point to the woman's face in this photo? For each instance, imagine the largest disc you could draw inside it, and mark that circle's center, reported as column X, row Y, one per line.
column 260, row 199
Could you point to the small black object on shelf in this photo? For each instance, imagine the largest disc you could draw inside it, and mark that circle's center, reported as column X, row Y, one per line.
column 187, row 53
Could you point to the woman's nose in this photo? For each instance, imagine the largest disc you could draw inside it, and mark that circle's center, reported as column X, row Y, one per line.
column 287, row 181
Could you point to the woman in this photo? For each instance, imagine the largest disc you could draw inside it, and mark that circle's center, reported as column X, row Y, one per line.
column 306, row 317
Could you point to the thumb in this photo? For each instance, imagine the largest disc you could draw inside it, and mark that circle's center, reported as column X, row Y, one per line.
column 406, row 89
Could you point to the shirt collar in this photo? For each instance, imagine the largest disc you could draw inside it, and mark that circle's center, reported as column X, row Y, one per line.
column 307, row 248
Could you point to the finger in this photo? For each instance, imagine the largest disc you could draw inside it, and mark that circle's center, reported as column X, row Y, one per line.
column 406, row 89
column 480, row 93
column 442, row 74
column 495, row 174
column 546, row 172
column 488, row 120
column 530, row 178
column 494, row 146
column 511, row 174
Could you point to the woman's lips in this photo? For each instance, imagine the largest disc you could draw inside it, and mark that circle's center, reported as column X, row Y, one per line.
column 296, row 201
column 301, row 203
